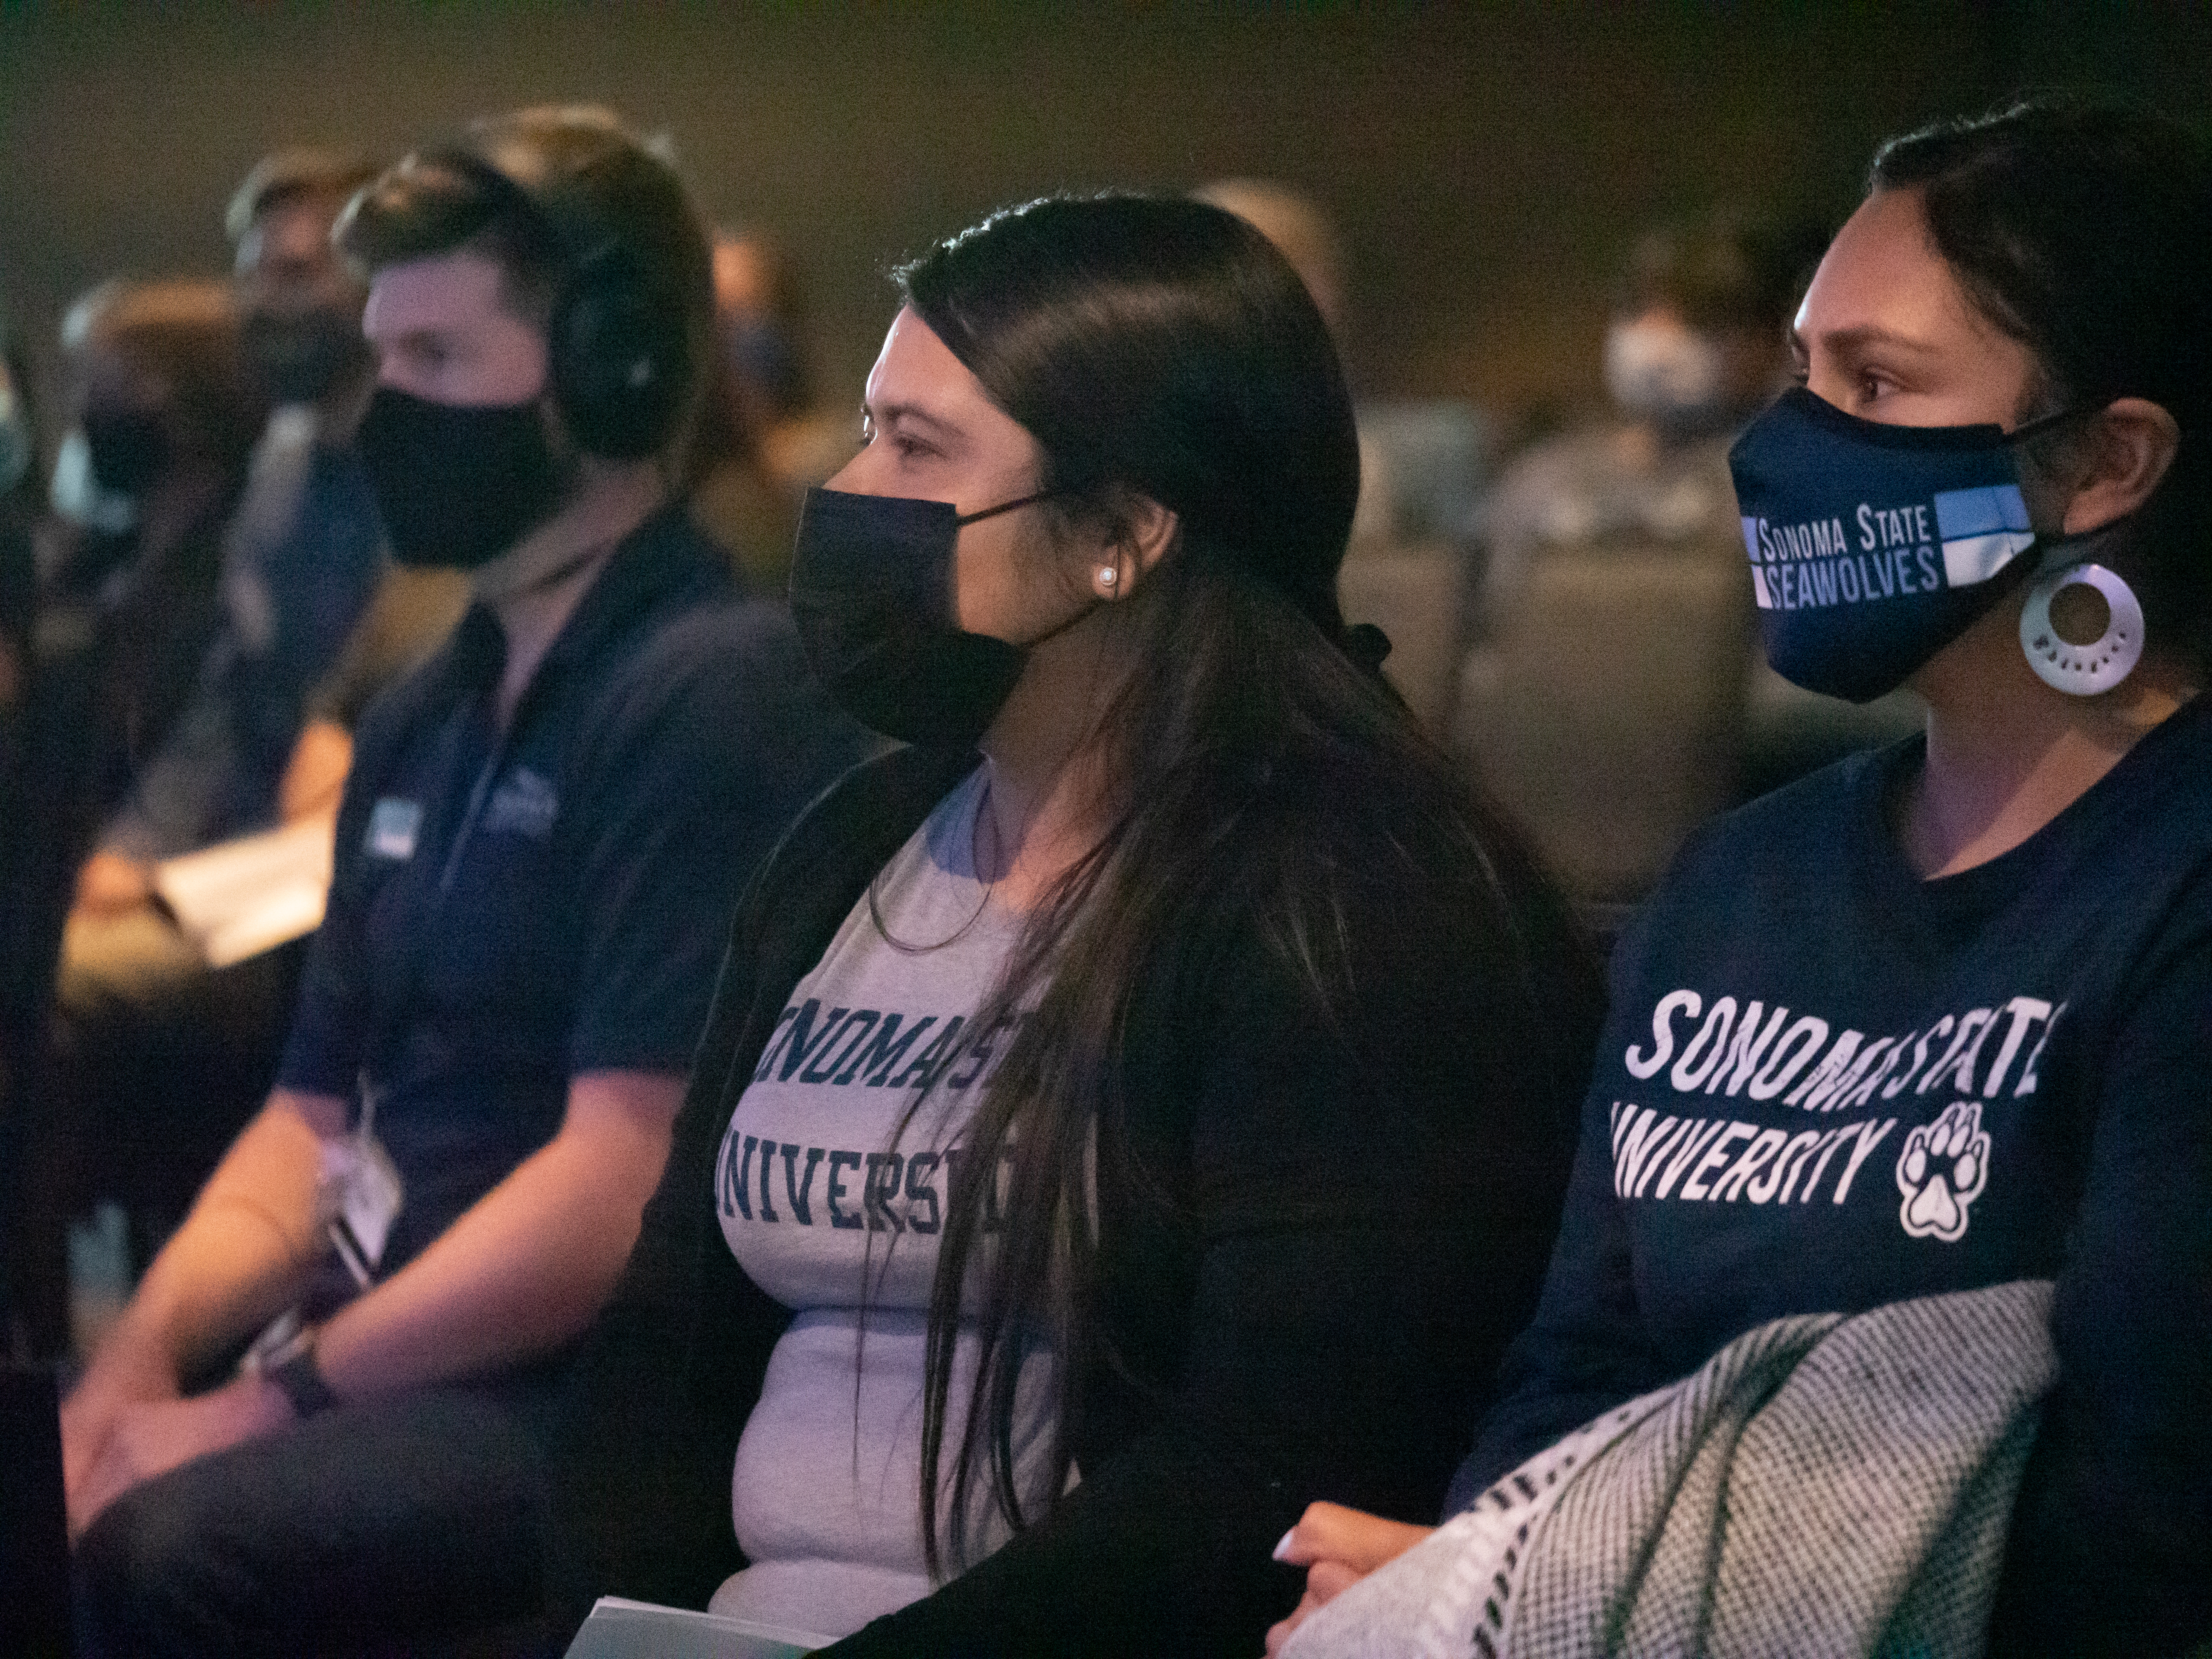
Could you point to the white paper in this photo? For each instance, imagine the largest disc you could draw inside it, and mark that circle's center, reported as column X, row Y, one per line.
column 638, row 1629
column 238, row 898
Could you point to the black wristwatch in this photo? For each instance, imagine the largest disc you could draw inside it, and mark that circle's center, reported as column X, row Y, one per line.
column 293, row 1370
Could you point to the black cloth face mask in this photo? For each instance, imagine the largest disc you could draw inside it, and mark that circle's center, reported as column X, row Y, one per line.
column 300, row 356
column 1874, row 546
column 872, row 593
column 456, row 484
column 128, row 448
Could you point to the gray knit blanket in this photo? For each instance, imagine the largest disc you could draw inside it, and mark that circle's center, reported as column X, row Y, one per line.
column 1823, row 1484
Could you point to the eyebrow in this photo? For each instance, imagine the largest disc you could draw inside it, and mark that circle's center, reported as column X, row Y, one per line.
column 1858, row 339
column 885, row 414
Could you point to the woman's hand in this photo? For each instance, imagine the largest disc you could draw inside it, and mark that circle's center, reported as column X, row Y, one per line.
column 1338, row 1547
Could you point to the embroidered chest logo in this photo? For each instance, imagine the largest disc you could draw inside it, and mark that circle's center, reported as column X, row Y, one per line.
column 523, row 804
column 1942, row 1169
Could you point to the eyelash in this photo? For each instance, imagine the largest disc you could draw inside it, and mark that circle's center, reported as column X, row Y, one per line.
column 906, row 447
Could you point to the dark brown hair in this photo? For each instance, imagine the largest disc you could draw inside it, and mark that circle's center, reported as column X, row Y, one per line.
column 1729, row 270
column 1253, row 770
column 2081, row 229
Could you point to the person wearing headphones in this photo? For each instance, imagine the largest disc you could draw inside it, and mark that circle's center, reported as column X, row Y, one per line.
column 545, row 829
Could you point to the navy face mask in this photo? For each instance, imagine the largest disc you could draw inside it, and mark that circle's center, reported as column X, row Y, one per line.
column 1874, row 546
column 871, row 594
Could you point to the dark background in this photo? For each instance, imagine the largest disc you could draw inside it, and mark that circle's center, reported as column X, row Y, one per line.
column 1489, row 166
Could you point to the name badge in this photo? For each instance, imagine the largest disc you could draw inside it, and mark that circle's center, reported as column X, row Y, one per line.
column 393, row 827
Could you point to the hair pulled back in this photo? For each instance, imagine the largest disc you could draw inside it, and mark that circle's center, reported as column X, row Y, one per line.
column 1253, row 767
column 2081, row 229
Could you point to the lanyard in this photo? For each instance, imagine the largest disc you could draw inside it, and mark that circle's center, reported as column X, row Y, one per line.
column 405, row 984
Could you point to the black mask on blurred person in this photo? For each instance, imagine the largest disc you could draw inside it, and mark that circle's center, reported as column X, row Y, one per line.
column 128, row 448
column 456, row 484
column 871, row 592
column 299, row 357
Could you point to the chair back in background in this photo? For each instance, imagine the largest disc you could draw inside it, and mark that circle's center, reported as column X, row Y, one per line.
column 1606, row 715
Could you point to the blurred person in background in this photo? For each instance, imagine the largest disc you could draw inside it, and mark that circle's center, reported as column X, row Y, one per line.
column 763, row 442
column 760, row 300
column 1612, row 694
column 755, row 383
column 1697, row 344
column 157, row 1059
column 302, row 552
column 165, row 415
column 543, row 832
column 759, row 316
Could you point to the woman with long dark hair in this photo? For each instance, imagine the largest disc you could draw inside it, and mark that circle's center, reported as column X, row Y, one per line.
column 1102, row 1146
column 1919, row 1043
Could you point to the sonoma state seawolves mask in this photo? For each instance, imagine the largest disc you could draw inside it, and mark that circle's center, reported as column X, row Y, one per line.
column 1874, row 546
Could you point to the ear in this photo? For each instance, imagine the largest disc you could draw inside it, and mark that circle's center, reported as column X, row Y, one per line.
column 1143, row 532
column 2125, row 453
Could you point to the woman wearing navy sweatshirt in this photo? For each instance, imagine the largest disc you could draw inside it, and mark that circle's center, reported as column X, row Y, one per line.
column 1939, row 1017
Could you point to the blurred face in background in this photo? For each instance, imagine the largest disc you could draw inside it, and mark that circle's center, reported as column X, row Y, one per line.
column 299, row 305
column 1660, row 368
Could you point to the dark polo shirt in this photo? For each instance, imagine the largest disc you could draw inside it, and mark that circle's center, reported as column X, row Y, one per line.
column 510, row 909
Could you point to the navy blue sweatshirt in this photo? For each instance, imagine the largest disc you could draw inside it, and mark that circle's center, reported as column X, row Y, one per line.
column 1827, row 1084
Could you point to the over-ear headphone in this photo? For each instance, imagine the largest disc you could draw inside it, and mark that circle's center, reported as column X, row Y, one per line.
column 618, row 337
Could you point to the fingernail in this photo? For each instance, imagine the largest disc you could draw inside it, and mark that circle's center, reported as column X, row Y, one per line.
column 1283, row 1547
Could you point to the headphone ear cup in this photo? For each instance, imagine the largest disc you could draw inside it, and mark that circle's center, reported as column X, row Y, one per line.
column 621, row 357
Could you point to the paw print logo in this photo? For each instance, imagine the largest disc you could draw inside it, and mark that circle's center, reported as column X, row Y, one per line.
column 1942, row 1169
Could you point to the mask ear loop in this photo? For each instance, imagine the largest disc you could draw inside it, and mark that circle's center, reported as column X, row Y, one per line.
column 2082, row 671
column 2079, row 670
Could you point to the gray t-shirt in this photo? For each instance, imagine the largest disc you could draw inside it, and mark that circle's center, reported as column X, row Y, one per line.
column 832, row 1208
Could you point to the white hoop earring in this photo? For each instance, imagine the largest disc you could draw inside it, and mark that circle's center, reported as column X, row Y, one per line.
column 2082, row 671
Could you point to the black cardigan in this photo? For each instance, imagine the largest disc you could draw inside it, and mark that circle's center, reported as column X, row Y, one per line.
column 1348, row 1218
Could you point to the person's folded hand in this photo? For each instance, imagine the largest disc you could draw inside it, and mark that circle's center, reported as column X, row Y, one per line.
column 1338, row 1547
